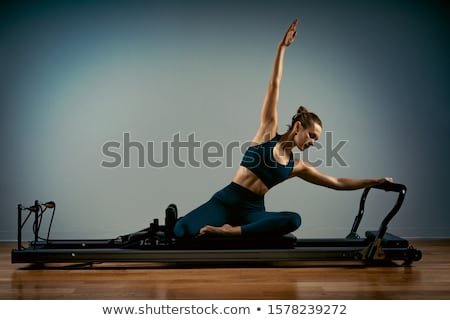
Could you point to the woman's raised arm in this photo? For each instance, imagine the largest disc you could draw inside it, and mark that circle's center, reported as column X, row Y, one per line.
column 269, row 118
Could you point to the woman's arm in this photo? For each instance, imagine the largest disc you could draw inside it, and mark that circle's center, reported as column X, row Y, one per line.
column 268, row 116
column 311, row 174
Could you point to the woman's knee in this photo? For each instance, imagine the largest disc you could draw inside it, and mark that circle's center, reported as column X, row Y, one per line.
column 295, row 220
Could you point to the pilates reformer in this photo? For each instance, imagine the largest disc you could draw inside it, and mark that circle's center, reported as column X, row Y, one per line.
column 157, row 244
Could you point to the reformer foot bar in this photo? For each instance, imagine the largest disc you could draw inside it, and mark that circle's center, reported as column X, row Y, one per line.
column 157, row 244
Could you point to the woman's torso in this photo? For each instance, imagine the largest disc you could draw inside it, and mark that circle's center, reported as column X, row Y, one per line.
column 262, row 168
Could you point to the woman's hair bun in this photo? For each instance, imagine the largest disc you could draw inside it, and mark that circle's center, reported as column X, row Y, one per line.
column 305, row 117
column 302, row 109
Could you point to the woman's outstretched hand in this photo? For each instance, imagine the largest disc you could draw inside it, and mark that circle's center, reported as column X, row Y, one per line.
column 290, row 34
column 385, row 179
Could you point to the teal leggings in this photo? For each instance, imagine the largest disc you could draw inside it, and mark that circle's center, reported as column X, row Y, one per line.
column 237, row 206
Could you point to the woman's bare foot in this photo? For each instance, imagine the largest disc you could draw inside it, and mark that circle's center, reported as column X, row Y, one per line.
column 226, row 231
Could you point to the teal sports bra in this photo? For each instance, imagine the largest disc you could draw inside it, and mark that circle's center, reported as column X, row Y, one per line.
column 259, row 159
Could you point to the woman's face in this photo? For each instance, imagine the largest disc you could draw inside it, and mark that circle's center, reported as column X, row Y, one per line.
column 306, row 136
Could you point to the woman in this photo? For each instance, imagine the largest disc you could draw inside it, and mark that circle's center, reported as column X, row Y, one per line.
column 238, row 209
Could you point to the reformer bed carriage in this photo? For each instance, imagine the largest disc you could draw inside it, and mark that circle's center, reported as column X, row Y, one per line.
column 157, row 244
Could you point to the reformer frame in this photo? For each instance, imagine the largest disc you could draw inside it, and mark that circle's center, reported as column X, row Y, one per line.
column 156, row 244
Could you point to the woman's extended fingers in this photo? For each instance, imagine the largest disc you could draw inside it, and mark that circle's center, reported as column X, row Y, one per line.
column 291, row 33
column 294, row 25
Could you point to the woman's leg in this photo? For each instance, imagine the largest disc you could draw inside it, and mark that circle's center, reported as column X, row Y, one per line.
column 262, row 223
column 212, row 213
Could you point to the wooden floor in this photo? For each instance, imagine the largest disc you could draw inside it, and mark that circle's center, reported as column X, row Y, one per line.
column 425, row 279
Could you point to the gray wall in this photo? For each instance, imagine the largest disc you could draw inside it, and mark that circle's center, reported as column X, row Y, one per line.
column 76, row 76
